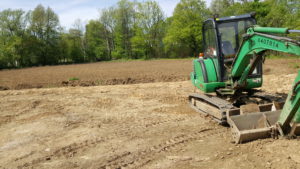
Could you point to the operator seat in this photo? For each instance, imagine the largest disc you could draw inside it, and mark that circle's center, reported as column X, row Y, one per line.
column 228, row 53
column 227, row 49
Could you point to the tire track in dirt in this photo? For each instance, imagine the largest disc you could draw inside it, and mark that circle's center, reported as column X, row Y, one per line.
column 9, row 118
column 140, row 158
column 71, row 150
column 32, row 105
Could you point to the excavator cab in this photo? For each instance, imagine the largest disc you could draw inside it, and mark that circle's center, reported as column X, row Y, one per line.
column 222, row 38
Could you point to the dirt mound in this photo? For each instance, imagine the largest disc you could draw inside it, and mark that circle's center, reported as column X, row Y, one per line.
column 77, row 83
column 27, row 86
column 4, row 88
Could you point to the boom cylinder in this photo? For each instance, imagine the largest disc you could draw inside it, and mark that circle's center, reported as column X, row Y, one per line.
column 274, row 30
column 271, row 30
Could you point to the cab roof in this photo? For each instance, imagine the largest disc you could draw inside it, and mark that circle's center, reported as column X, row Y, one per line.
column 229, row 18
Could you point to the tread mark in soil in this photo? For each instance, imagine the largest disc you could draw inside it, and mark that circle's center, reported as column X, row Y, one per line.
column 141, row 158
column 70, row 150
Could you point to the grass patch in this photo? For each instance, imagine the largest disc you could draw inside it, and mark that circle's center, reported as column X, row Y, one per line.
column 73, row 79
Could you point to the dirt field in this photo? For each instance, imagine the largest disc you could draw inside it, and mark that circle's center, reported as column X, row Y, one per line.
column 103, row 73
column 113, row 73
column 147, row 125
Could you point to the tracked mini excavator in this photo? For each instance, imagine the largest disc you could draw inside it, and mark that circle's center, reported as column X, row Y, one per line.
column 229, row 71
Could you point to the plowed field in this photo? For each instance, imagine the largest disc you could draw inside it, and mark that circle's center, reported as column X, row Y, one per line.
column 113, row 73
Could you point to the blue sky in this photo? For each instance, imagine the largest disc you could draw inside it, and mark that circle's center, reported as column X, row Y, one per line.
column 70, row 10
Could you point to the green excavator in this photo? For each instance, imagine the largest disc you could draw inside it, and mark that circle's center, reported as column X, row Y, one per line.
column 230, row 70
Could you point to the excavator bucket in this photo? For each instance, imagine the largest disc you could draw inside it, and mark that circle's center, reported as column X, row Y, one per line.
column 248, row 125
column 251, row 122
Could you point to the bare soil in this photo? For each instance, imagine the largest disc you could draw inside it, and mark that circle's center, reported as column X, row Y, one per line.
column 94, row 74
column 147, row 125
column 114, row 73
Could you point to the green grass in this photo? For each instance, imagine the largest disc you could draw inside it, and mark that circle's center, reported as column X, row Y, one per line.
column 73, row 79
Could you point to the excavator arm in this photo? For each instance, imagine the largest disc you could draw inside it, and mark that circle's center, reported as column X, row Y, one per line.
column 286, row 122
column 290, row 113
column 270, row 121
column 256, row 41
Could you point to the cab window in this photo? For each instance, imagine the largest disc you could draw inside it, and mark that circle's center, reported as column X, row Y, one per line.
column 231, row 35
column 210, row 43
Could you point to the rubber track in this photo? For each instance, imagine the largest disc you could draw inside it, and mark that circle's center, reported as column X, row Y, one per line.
column 224, row 105
column 213, row 101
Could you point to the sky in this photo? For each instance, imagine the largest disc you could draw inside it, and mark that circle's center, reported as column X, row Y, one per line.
column 70, row 10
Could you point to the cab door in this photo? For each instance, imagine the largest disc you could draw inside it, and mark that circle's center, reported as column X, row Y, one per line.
column 210, row 45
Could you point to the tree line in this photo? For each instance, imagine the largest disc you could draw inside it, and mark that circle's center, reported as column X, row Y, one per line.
column 128, row 30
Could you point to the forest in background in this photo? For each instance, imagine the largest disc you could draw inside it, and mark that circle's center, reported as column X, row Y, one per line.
column 128, row 30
